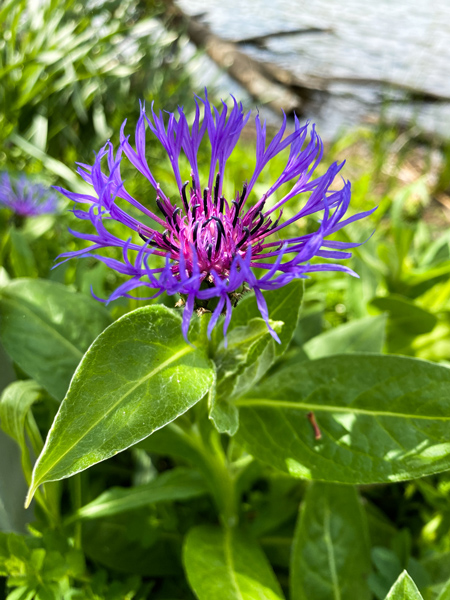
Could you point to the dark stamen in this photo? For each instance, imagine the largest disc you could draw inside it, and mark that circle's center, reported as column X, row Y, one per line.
column 260, row 208
column 220, row 224
column 143, row 237
column 194, row 186
column 258, row 224
column 209, row 251
column 169, row 243
column 218, row 240
column 278, row 220
column 205, row 200
column 175, row 212
column 194, row 210
column 183, row 194
column 194, row 236
column 242, row 198
column 216, row 189
column 161, row 208
column 236, row 212
column 222, row 202
column 244, row 237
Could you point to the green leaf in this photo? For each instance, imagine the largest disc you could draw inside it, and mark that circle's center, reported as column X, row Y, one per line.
column 362, row 335
column 225, row 564
column 137, row 376
column 22, row 259
column 381, row 418
column 248, row 355
column 404, row 589
column 51, row 164
column 251, row 350
column 437, row 567
column 406, row 321
column 178, row 484
column 45, row 329
column 15, row 415
column 135, row 542
column 15, row 403
column 283, row 304
column 445, row 592
column 331, row 550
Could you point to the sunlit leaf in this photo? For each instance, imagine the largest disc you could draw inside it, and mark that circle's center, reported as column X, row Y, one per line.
column 331, row 550
column 362, row 335
column 176, row 484
column 404, row 589
column 351, row 419
column 139, row 375
column 225, row 564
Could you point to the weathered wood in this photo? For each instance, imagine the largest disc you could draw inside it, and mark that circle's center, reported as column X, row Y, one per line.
column 247, row 71
column 260, row 40
column 266, row 81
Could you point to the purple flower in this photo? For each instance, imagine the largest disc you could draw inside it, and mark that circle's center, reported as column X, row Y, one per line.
column 24, row 198
column 211, row 244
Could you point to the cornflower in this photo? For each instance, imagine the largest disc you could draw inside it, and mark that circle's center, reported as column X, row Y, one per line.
column 211, row 244
column 25, row 198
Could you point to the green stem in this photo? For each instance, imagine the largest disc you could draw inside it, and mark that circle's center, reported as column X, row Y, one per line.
column 216, row 468
column 76, row 496
column 212, row 461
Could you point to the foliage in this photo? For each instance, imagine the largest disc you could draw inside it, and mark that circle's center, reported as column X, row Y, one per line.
column 67, row 69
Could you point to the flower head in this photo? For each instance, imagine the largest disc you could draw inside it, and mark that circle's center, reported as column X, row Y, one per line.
column 24, row 198
column 211, row 244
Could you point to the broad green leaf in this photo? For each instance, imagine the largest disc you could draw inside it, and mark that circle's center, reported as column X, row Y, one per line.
column 445, row 592
column 138, row 375
column 7, row 373
column 406, row 321
column 225, row 564
column 362, row 335
column 250, row 351
column 387, row 567
column 134, row 542
column 331, row 551
column 22, row 259
column 45, row 329
column 404, row 589
column 380, row 419
column 437, row 567
column 404, row 313
column 223, row 413
column 240, row 364
column 15, row 415
column 178, row 484
column 15, row 403
column 51, row 164
column 283, row 304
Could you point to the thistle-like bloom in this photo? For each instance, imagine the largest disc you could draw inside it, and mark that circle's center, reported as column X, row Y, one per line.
column 211, row 244
column 25, row 198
